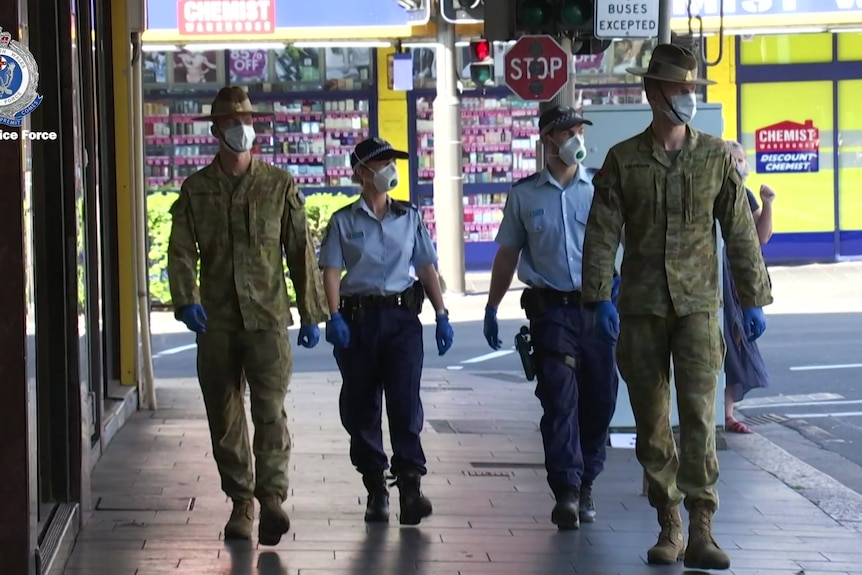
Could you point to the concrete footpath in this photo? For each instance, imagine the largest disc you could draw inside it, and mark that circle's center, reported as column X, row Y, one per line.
column 159, row 509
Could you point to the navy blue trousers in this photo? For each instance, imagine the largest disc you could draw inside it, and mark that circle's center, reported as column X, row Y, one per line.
column 385, row 356
column 578, row 402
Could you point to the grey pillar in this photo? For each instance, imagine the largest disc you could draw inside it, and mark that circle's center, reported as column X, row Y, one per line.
column 448, row 186
column 566, row 96
column 664, row 12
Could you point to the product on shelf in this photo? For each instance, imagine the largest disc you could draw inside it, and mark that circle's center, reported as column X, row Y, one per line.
column 312, row 138
column 482, row 216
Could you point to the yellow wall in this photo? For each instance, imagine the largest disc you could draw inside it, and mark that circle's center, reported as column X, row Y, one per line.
column 850, row 154
column 724, row 73
column 392, row 120
column 123, row 170
column 806, row 200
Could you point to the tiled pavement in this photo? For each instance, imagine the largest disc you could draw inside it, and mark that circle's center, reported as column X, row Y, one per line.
column 491, row 503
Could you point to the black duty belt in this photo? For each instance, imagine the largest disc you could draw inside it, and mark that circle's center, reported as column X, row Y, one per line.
column 403, row 299
column 553, row 297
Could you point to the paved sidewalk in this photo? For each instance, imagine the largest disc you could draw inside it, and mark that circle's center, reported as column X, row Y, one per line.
column 161, row 510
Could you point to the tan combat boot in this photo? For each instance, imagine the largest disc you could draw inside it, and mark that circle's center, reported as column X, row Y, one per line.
column 241, row 518
column 703, row 552
column 274, row 521
column 670, row 546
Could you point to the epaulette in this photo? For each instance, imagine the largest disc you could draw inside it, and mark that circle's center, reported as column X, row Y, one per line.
column 527, row 179
column 344, row 208
column 401, row 207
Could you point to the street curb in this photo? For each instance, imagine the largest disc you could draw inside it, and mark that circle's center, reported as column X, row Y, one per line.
column 833, row 497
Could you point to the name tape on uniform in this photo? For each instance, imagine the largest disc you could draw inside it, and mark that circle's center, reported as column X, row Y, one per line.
column 626, row 19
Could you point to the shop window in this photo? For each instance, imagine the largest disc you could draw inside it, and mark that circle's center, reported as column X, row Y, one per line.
column 850, row 46
column 785, row 49
column 311, row 132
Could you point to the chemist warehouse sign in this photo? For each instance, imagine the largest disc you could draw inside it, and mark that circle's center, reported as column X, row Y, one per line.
column 741, row 14
column 788, row 148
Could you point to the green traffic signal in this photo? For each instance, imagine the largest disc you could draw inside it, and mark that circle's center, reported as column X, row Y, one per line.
column 482, row 74
column 533, row 13
column 575, row 13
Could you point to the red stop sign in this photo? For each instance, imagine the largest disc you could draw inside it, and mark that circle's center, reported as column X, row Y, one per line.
column 536, row 68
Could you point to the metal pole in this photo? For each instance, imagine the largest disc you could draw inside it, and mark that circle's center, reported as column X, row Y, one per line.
column 664, row 13
column 448, row 185
column 566, row 97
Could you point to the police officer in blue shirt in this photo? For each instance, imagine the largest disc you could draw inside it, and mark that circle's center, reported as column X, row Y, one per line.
column 376, row 330
column 543, row 225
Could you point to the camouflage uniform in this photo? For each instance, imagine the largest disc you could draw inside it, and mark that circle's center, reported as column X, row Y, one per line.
column 238, row 231
column 669, row 296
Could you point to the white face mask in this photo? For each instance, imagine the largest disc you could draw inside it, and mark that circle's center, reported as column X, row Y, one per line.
column 742, row 169
column 682, row 109
column 239, row 138
column 386, row 178
column 573, row 151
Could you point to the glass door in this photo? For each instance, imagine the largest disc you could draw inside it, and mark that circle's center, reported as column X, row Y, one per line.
column 849, row 169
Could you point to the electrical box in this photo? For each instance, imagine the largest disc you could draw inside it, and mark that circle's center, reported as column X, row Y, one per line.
column 137, row 15
column 611, row 125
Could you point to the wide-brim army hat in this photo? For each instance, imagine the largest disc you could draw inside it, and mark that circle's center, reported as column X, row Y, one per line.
column 375, row 149
column 231, row 101
column 670, row 63
column 561, row 118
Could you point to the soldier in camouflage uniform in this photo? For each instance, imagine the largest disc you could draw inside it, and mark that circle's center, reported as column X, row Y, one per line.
column 668, row 186
column 237, row 217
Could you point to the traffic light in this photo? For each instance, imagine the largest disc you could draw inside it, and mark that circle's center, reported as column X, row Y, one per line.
column 463, row 11
column 482, row 63
column 572, row 17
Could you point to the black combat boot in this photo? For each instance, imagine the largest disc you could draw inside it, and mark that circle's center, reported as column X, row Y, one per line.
column 565, row 513
column 586, row 504
column 414, row 506
column 377, row 506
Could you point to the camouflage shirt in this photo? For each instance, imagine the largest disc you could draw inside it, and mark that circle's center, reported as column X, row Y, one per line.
column 240, row 234
column 669, row 209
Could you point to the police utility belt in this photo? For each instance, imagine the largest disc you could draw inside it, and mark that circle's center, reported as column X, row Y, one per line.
column 353, row 307
column 537, row 301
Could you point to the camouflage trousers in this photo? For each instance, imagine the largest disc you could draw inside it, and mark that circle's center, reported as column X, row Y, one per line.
column 227, row 361
column 644, row 350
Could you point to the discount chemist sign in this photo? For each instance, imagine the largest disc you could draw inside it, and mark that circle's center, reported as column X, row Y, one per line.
column 788, row 148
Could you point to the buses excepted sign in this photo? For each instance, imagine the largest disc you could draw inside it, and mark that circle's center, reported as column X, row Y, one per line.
column 626, row 19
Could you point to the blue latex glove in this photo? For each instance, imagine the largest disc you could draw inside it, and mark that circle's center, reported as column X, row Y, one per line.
column 607, row 321
column 491, row 329
column 445, row 334
column 309, row 336
column 615, row 290
column 194, row 316
column 337, row 331
column 754, row 322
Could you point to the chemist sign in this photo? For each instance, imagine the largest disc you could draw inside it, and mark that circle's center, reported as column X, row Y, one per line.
column 625, row 19
column 206, row 17
column 788, row 148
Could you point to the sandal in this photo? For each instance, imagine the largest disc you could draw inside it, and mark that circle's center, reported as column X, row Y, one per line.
column 735, row 426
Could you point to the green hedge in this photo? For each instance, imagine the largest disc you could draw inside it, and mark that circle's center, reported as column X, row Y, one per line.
column 318, row 207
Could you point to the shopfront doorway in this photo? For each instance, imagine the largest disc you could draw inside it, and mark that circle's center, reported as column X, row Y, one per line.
column 801, row 126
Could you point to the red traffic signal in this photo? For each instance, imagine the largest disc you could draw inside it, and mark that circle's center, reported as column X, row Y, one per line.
column 480, row 49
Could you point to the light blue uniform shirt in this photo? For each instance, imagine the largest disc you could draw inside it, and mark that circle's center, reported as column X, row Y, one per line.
column 547, row 223
column 377, row 254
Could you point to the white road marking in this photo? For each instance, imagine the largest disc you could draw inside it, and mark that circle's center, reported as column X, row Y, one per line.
column 783, row 400
column 455, row 367
column 808, row 404
column 487, row 356
column 175, row 350
column 823, row 415
column 826, row 367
